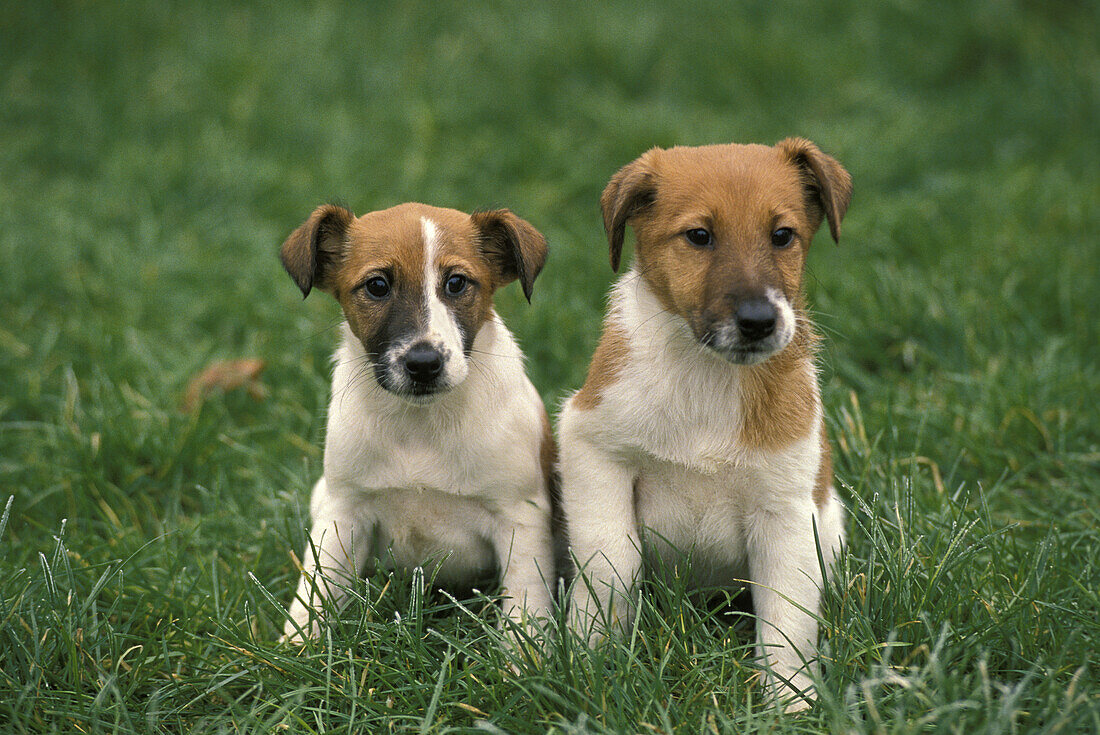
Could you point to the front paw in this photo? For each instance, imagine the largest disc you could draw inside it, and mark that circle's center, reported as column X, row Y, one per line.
column 799, row 704
column 596, row 622
column 303, row 625
column 794, row 692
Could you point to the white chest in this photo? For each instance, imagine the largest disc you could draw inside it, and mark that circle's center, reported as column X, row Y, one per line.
column 482, row 439
column 450, row 534
column 711, row 515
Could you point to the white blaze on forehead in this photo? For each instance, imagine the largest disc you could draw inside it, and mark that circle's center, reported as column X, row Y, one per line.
column 442, row 329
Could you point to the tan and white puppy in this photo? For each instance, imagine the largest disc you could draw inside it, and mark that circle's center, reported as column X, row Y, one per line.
column 438, row 450
column 700, row 424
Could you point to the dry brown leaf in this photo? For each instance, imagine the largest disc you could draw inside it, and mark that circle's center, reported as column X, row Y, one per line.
column 223, row 376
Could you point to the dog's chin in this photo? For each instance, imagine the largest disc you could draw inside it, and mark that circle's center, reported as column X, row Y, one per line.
column 739, row 354
column 417, row 395
column 421, row 399
column 413, row 393
column 743, row 355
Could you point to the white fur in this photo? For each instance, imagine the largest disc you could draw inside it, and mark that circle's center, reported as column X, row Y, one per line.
column 786, row 322
column 440, row 330
column 455, row 483
column 443, row 332
column 661, row 451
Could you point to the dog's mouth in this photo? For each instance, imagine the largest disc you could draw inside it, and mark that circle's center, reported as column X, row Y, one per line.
column 718, row 342
column 420, row 397
column 397, row 382
column 418, row 393
column 751, row 331
column 747, row 355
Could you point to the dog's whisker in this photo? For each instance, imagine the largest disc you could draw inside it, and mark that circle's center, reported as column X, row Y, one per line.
column 475, row 351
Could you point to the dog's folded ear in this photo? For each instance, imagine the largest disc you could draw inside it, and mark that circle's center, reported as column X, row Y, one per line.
column 316, row 247
column 512, row 246
column 828, row 185
column 630, row 190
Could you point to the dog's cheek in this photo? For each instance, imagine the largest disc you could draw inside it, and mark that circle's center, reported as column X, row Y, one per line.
column 790, row 264
column 685, row 275
column 372, row 322
column 389, row 326
column 470, row 313
column 357, row 317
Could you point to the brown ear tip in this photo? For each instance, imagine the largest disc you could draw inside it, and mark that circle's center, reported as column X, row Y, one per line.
column 334, row 208
column 305, row 285
column 796, row 141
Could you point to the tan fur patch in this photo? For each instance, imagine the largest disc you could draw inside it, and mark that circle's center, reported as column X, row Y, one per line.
column 824, row 471
column 607, row 363
column 548, row 449
column 778, row 401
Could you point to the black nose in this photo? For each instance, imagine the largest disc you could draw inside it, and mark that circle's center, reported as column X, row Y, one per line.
column 755, row 319
column 423, row 363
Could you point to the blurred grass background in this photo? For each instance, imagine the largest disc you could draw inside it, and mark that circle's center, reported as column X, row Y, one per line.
column 153, row 156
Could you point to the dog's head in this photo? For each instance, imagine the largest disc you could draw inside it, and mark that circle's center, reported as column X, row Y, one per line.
column 722, row 233
column 415, row 282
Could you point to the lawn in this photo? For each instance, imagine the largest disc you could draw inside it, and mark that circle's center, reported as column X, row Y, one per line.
column 154, row 155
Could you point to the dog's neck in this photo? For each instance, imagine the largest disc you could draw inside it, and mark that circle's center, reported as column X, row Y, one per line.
column 652, row 327
column 776, row 401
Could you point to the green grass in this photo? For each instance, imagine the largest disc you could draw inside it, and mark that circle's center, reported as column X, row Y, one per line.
column 154, row 155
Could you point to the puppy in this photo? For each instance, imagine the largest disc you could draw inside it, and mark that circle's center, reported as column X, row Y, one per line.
column 438, row 450
column 700, row 419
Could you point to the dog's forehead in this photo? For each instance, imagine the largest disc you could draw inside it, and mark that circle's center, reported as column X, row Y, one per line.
column 404, row 226
column 727, row 178
column 402, row 236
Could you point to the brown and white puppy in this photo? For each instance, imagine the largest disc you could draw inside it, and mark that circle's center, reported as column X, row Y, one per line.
column 438, row 449
column 700, row 420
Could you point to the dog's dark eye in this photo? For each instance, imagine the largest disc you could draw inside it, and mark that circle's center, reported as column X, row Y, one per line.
column 377, row 287
column 698, row 237
column 782, row 237
column 455, row 285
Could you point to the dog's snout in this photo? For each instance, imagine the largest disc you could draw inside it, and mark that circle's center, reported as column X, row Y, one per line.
column 423, row 363
column 756, row 319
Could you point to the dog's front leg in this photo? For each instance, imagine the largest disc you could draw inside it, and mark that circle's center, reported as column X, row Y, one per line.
column 786, row 594
column 526, row 558
column 598, row 497
column 338, row 548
